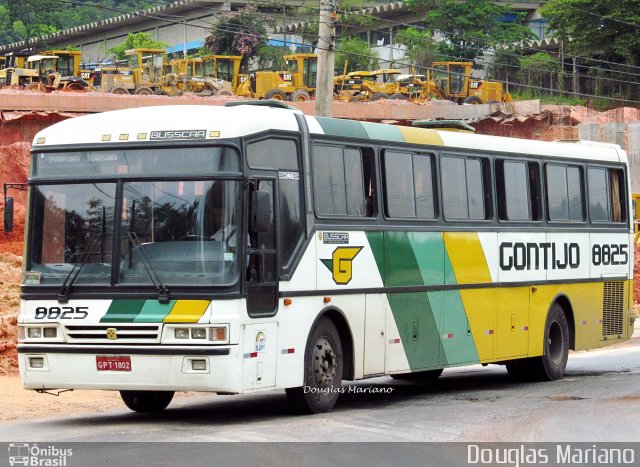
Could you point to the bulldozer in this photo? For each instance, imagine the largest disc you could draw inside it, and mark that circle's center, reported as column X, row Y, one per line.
column 453, row 81
column 223, row 67
column 188, row 76
column 57, row 70
column 297, row 83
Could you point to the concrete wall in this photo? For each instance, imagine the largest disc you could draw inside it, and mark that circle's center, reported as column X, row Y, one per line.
column 625, row 134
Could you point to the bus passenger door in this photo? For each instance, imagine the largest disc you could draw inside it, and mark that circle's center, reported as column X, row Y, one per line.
column 262, row 267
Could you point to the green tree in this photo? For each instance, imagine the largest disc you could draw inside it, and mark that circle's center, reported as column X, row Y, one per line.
column 239, row 33
column 472, row 27
column 420, row 48
column 540, row 70
column 358, row 54
column 606, row 28
column 136, row 40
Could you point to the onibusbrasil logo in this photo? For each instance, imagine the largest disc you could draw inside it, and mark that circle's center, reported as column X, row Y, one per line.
column 341, row 263
column 33, row 455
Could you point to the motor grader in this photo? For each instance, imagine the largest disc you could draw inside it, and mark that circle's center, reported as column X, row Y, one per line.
column 223, row 67
column 142, row 75
column 297, row 83
column 57, row 70
column 454, row 82
column 188, row 76
column 368, row 85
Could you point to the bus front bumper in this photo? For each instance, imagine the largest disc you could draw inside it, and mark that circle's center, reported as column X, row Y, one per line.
column 141, row 367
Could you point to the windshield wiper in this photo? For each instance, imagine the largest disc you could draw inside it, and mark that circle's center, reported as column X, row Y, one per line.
column 63, row 296
column 163, row 292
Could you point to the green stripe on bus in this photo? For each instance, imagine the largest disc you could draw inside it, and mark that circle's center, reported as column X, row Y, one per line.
column 123, row 311
column 412, row 311
column 338, row 127
column 154, row 312
column 383, row 132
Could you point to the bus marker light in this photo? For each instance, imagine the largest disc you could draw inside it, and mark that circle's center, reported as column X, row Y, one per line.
column 287, row 301
column 394, row 341
column 288, row 351
column 106, row 137
column 251, row 355
column 447, row 336
column 142, row 136
column 327, row 299
column 124, row 137
column 489, row 332
column 218, row 334
column 214, row 134
column 525, row 328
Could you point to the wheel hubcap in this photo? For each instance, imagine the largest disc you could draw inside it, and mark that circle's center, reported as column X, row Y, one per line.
column 324, row 363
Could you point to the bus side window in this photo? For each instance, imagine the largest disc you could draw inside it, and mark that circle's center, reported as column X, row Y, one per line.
column 606, row 195
column 344, row 181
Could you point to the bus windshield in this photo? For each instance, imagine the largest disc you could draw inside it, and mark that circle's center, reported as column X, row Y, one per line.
column 120, row 231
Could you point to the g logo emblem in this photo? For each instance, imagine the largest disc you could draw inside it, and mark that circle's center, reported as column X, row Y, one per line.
column 341, row 263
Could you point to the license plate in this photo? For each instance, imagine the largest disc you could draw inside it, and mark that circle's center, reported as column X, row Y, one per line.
column 104, row 363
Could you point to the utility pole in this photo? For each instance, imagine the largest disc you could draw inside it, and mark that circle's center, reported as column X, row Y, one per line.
column 326, row 59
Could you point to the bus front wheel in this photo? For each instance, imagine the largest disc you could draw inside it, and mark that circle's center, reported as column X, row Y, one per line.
column 323, row 367
column 147, row 401
column 551, row 365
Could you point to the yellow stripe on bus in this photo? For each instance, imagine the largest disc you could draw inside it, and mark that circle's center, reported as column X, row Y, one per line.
column 420, row 136
column 470, row 267
column 187, row 311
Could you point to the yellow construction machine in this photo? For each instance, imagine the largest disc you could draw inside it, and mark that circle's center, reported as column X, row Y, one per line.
column 223, row 67
column 368, row 85
column 454, row 82
column 297, row 83
column 188, row 76
column 15, row 72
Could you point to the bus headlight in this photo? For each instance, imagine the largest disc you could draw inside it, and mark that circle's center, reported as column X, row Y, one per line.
column 50, row 333
column 198, row 333
column 34, row 333
column 181, row 333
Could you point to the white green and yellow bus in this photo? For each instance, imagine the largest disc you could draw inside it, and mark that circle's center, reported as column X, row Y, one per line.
column 248, row 248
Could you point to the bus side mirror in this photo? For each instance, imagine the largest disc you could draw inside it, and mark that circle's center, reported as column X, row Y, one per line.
column 8, row 215
column 261, row 211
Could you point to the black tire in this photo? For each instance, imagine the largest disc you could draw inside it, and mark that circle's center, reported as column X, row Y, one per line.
column 144, row 91
column 430, row 375
column 399, row 97
column 323, row 367
column 379, row 95
column 299, row 95
column 147, row 401
column 36, row 86
column 276, row 95
column 475, row 100
column 118, row 90
column 553, row 362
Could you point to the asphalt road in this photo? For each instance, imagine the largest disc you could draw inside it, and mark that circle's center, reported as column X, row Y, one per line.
column 598, row 400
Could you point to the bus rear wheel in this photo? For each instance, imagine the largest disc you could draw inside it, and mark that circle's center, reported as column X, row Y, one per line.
column 553, row 362
column 147, row 401
column 323, row 367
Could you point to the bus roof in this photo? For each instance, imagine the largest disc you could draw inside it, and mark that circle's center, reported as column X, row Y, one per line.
column 137, row 124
